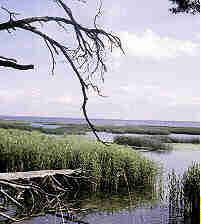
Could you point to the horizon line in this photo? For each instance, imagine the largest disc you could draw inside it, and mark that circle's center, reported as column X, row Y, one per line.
column 97, row 118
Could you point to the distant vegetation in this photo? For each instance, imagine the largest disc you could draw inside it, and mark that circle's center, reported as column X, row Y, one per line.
column 153, row 142
column 67, row 129
column 110, row 167
column 148, row 143
column 149, row 130
column 192, row 140
column 83, row 128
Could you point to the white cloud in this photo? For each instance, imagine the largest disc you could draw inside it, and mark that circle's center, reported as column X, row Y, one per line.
column 63, row 100
column 152, row 45
column 185, row 100
column 7, row 96
column 196, row 36
column 117, row 10
column 15, row 96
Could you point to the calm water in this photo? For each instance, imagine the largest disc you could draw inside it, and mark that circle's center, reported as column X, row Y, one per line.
column 51, row 126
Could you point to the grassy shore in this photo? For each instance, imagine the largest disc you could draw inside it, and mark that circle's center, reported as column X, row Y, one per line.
column 110, row 167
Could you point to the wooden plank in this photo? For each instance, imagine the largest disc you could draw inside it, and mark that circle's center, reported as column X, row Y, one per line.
column 34, row 174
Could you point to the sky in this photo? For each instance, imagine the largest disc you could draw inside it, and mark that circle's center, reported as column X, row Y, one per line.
column 158, row 78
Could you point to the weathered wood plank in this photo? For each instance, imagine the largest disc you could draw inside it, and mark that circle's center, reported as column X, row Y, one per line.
column 35, row 174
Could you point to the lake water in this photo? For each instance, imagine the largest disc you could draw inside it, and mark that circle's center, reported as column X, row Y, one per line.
column 143, row 209
column 51, row 126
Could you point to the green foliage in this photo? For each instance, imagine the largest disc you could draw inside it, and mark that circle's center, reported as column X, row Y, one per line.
column 184, row 192
column 110, row 167
column 191, row 181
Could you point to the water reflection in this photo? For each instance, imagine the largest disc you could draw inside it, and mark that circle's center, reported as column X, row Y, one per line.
column 107, row 209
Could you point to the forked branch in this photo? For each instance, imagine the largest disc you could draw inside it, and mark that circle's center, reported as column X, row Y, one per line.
column 86, row 58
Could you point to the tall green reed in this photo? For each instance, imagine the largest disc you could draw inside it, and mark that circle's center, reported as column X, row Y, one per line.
column 184, row 193
column 107, row 166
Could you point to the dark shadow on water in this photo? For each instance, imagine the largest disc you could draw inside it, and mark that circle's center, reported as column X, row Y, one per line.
column 141, row 206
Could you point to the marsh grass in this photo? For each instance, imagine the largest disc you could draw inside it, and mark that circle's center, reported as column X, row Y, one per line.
column 109, row 167
column 185, row 130
column 177, row 139
column 193, row 140
column 148, row 143
column 148, row 130
column 67, row 129
column 184, row 193
column 158, row 142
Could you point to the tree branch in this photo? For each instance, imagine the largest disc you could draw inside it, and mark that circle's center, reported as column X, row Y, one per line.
column 87, row 56
column 14, row 65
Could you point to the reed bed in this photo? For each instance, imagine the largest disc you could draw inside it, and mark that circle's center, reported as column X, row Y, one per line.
column 149, row 130
column 185, row 130
column 176, row 139
column 184, row 194
column 134, row 130
column 68, row 129
column 192, row 140
column 109, row 167
column 158, row 142
column 149, row 143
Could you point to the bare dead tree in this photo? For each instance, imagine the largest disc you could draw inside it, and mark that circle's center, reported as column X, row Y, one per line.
column 86, row 58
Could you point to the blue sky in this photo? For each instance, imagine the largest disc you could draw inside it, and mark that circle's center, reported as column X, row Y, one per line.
column 157, row 79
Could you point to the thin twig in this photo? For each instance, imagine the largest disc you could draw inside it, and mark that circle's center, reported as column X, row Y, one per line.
column 87, row 56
